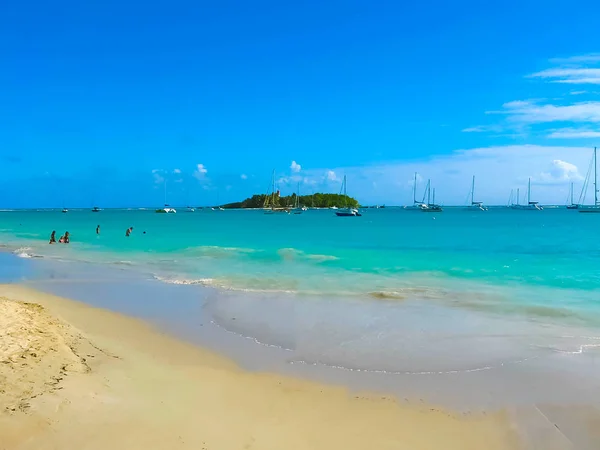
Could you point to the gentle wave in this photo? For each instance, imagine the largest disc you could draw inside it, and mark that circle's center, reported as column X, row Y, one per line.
column 423, row 372
column 290, row 253
column 25, row 252
column 218, row 252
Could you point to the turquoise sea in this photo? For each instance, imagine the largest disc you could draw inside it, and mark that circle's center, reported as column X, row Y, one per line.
column 491, row 301
column 522, row 262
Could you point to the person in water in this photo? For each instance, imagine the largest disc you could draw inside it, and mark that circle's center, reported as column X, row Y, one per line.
column 64, row 239
column 98, row 229
column 128, row 232
column 53, row 238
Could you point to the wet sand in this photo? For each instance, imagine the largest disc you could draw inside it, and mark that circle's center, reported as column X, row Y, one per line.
column 77, row 377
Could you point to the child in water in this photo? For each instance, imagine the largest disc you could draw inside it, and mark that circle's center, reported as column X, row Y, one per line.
column 53, row 238
column 128, row 232
column 64, row 239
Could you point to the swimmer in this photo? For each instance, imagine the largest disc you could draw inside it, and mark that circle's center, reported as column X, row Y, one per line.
column 53, row 238
column 128, row 232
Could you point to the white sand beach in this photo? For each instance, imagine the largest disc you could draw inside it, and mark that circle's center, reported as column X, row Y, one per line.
column 77, row 377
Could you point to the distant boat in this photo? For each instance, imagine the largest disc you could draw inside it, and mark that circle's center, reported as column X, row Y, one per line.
column 474, row 204
column 270, row 204
column 572, row 205
column 297, row 208
column 65, row 210
column 167, row 209
column 530, row 206
column 96, row 209
column 595, row 208
column 431, row 205
column 417, row 205
column 347, row 211
column 190, row 209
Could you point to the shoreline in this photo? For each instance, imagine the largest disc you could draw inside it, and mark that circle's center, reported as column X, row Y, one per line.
column 154, row 391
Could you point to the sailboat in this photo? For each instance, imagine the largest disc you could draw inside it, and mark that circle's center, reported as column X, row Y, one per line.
column 167, row 209
column 417, row 205
column 572, row 205
column 530, row 206
column 297, row 208
column 430, row 206
column 270, row 204
column 595, row 208
column 347, row 211
column 474, row 204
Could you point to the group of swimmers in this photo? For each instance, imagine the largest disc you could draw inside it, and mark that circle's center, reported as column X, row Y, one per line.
column 65, row 239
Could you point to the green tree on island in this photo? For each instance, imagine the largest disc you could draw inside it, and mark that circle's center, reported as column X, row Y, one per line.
column 317, row 200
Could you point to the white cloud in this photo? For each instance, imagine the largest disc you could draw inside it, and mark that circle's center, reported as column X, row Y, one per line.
column 200, row 172
column 177, row 171
column 331, row 176
column 590, row 57
column 157, row 174
column 560, row 171
column 477, row 129
column 295, row 167
column 574, row 133
column 531, row 112
column 498, row 169
column 244, row 176
column 573, row 75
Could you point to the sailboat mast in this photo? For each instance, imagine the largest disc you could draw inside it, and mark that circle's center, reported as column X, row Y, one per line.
column 345, row 195
column 595, row 178
column 529, row 191
column 415, row 190
column 518, row 196
column 571, row 193
column 473, row 191
column 429, row 192
column 273, row 190
column 433, row 195
column 165, row 192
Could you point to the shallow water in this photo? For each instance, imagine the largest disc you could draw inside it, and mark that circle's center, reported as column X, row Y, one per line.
column 487, row 302
column 525, row 263
column 416, row 350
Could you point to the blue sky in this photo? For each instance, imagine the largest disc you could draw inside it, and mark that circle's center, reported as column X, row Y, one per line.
column 103, row 101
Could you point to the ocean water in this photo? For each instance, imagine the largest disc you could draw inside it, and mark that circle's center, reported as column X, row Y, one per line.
column 475, row 297
column 527, row 262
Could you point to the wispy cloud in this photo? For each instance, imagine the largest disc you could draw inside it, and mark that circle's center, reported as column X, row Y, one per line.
column 530, row 112
column 578, row 59
column 244, row 176
column 573, row 133
column 572, row 75
column 580, row 69
column 200, row 172
column 158, row 175
column 176, row 171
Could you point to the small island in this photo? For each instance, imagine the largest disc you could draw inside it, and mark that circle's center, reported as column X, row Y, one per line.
column 317, row 200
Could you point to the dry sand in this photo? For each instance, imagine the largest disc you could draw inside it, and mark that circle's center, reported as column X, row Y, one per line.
column 77, row 377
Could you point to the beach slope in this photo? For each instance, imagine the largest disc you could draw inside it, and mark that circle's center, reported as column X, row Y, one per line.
column 77, row 377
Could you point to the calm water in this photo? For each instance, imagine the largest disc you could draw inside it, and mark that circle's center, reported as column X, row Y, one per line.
column 548, row 259
column 496, row 296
